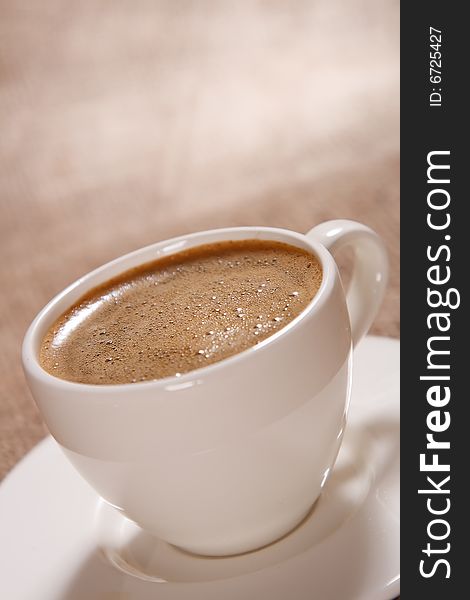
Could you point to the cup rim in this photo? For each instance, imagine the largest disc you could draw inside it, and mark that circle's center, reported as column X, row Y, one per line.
column 166, row 247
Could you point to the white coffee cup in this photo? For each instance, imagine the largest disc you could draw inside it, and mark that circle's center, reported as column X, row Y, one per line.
column 230, row 457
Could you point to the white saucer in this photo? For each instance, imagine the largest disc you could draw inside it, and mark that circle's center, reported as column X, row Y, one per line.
column 59, row 541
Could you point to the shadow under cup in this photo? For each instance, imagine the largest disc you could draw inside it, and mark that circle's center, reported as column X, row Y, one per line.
column 223, row 459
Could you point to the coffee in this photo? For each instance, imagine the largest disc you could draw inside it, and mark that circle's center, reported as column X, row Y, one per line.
column 181, row 312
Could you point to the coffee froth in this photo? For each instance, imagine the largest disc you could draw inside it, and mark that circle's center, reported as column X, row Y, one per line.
column 181, row 312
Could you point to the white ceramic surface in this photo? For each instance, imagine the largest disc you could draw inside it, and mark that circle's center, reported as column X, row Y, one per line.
column 232, row 456
column 56, row 535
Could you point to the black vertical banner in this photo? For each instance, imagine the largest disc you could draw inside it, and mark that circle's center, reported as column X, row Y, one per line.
column 435, row 243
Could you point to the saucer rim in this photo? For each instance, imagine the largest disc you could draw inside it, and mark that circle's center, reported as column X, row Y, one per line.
column 46, row 445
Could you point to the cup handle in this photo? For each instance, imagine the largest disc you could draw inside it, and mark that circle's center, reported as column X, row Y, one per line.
column 370, row 269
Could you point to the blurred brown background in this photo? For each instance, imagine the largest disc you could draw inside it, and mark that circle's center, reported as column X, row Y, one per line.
column 127, row 122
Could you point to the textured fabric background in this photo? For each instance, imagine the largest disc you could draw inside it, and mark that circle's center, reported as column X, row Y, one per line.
column 123, row 123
